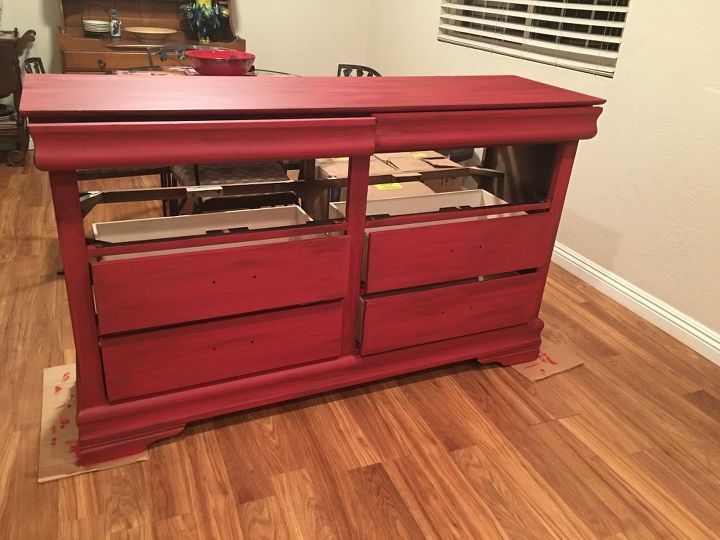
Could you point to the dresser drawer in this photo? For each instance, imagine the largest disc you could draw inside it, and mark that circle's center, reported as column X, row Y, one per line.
column 161, row 290
column 105, row 61
column 174, row 358
column 395, row 321
column 411, row 257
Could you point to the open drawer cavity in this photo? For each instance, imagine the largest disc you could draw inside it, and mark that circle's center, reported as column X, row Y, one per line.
column 148, row 229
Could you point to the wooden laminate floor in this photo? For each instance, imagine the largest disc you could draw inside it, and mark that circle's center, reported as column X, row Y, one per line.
column 626, row 446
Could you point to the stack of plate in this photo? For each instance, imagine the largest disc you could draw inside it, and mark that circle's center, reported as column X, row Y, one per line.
column 94, row 26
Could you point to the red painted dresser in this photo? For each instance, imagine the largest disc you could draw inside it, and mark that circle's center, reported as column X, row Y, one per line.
column 263, row 320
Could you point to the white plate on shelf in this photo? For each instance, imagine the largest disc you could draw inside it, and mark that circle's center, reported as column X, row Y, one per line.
column 96, row 26
column 150, row 34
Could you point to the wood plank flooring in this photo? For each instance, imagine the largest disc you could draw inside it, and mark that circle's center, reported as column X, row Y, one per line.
column 626, row 446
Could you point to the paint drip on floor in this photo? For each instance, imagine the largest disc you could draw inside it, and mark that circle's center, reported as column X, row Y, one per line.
column 58, row 430
column 553, row 359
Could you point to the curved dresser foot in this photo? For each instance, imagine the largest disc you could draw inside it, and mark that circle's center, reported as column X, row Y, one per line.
column 518, row 357
column 525, row 349
column 16, row 158
column 100, row 452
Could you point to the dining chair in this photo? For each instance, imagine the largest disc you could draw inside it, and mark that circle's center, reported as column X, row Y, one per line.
column 34, row 65
column 354, row 70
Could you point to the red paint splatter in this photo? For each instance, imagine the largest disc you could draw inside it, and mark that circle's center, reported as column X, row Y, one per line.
column 53, row 441
column 75, row 449
column 546, row 359
column 64, row 422
column 58, row 389
column 66, row 376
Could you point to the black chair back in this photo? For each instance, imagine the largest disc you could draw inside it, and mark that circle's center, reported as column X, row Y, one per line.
column 34, row 65
column 353, row 70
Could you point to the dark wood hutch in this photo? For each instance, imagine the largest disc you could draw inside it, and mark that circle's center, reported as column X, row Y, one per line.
column 83, row 53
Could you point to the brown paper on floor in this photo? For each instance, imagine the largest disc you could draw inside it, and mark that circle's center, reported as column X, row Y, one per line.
column 553, row 359
column 58, row 430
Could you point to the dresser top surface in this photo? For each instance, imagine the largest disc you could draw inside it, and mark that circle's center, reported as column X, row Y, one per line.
column 117, row 98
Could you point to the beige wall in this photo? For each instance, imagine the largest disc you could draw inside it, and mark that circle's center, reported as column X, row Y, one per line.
column 38, row 15
column 309, row 37
column 644, row 200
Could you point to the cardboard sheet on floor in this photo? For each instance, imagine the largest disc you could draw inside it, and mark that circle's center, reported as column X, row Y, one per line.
column 553, row 359
column 58, row 430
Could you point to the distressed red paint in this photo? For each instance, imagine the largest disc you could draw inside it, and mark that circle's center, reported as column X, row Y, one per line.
column 114, row 121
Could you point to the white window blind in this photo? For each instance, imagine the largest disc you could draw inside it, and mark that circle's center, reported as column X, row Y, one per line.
column 578, row 34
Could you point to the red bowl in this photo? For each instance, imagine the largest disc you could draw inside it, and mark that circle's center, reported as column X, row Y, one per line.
column 210, row 62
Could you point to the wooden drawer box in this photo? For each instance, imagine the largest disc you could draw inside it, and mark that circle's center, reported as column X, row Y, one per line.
column 160, row 290
column 397, row 204
column 395, row 321
column 170, row 359
column 139, row 230
column 410, row 257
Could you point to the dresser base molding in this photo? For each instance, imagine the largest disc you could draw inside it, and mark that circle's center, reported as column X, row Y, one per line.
column 121, row 429
column 115, row 447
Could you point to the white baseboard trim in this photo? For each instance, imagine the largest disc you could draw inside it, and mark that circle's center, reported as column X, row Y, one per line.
column 685, row 329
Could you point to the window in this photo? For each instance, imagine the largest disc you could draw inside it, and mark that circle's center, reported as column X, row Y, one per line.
column 584, row 35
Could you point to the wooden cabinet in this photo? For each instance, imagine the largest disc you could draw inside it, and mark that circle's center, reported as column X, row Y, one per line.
column 172, row 330
column 87, row 53
column 12, row 124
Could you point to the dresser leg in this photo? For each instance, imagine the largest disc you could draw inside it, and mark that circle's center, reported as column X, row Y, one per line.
column 91, row 453
column 518, row 357
column 16, row 158
column 528, row 350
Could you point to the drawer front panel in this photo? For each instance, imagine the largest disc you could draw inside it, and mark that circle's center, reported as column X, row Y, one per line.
column 460, row 129
column 174, row 358
column 425, row 255
column 101, row 61
column 403, row 320
column 148, row 292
